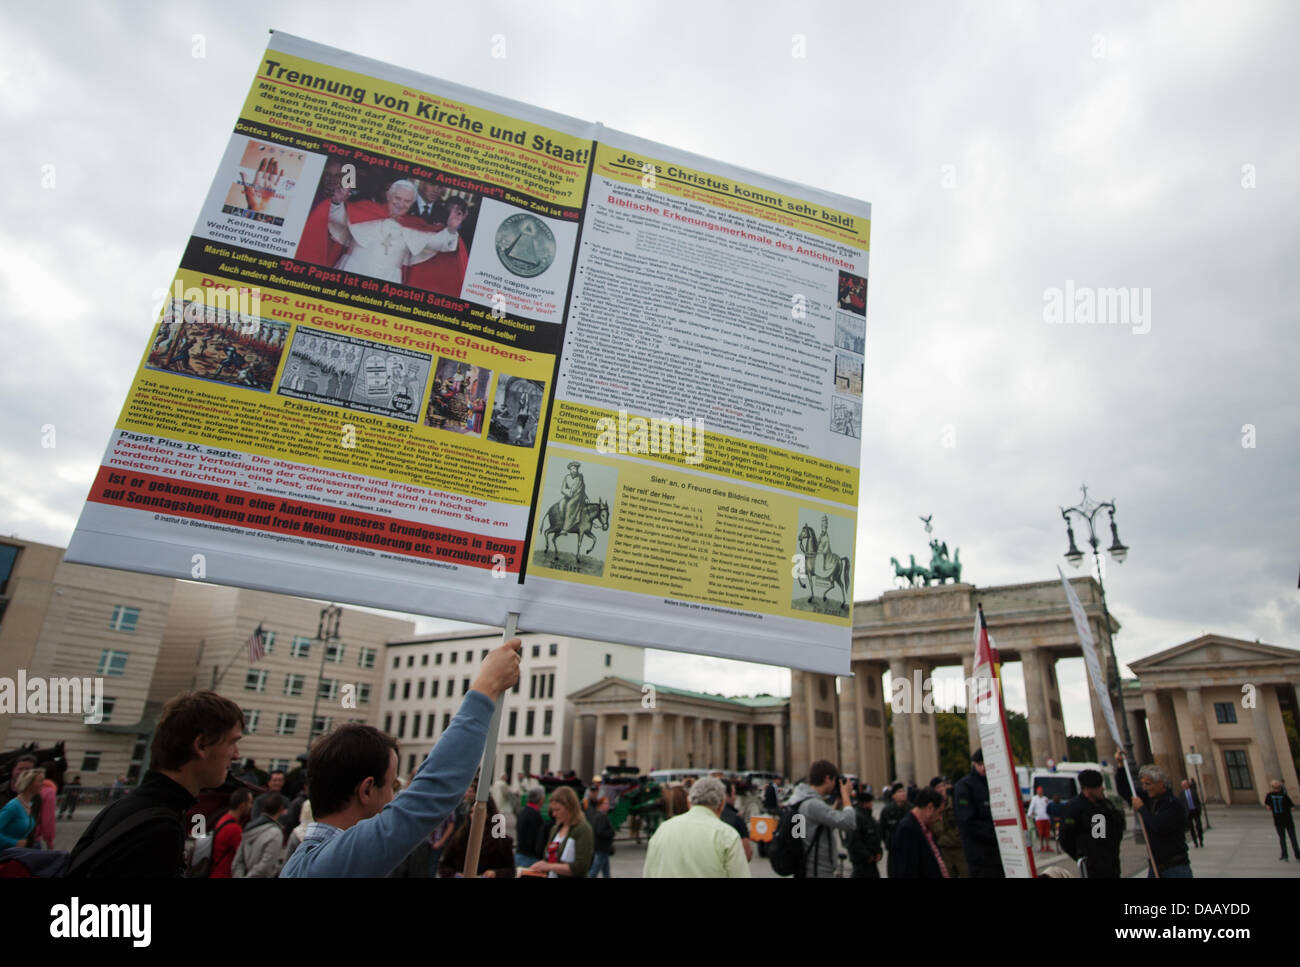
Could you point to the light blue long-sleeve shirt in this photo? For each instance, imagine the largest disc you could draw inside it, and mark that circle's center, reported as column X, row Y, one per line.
column 374, row 846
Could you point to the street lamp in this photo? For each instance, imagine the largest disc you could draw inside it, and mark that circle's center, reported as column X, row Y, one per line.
column 326, row 631
column 1087, row 512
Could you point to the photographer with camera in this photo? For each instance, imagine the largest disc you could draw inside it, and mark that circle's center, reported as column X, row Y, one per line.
column 825, row 802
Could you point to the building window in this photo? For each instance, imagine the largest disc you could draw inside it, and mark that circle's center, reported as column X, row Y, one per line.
column 397, row 662
column 625, row 732
column 287, row 724
column 424, row 659
column 334, row 652
column 320, row 725
column 410, row 764
column 546, row 722
column 293, row 685
column 328, row 689
column 415, row 726
column 301, row 647
column 469, row 657
column 454, row 656
column 90, row 761
column 401, row 726
column 433, row 688
column 410, row 660
column 607, row 660
column 419, row 689
column 464, row 686
column 124, row 618
column 268, row 641
column 537, row 651
column 550, row 685
column 446, row 720
column 8, row 554
column 482, row 654
column 514, row 722
column 528, row 764
column 366, row 657
column 138, row 753
column 106, row 708
column 451, row 687
column 406, row 689
column 278, row 765
column 555, row 648
column 388, row 723
column 392, row 690
column 529, row 716
column 437, row 659
column 510, row 767
column 428, row 726
column 1238, row 769
column 363, row 693
column 532, row 686
column 546, row 762
column 255, row 680
column 1225, row 713
column 111, row 662
column 515, row 690
column 251, row 715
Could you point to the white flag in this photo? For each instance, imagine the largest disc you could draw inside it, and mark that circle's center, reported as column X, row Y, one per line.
column 1090, row 659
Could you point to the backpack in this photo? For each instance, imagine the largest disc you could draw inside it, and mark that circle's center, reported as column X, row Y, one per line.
column 787, row 850
column 200, row 862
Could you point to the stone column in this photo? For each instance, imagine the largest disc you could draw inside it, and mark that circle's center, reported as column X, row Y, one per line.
column 850, row 722
column 1211, row 787
column 904, row 764
column 633, row 720
column 972, row 717
column 801, row 717
column 1164, row 733
column 656, row 740
column 679, row 741
column 578, row 747
column 781, row 762
column 873, row 744
column 599, row 763
column 1039, row 735
column 733, row 733
column 925, row 732
column 1265, row 697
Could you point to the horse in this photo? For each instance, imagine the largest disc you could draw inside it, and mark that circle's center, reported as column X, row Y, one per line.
column 593, row 512
column 942, row 569
column 920, row 576
column 837, row 576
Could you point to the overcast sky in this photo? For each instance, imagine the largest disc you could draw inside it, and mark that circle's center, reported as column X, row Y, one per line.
column 1006, row 148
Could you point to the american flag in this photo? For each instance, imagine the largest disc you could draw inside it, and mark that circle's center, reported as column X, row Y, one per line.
column 256, row 645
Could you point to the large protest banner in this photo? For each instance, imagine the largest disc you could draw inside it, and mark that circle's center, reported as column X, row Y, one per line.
column 439, row 352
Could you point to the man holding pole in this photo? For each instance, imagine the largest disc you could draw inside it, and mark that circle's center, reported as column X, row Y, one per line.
column 361, row 829
column 1162, row 817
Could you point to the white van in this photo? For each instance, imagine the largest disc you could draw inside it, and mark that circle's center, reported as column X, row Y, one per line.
column 1063, row 781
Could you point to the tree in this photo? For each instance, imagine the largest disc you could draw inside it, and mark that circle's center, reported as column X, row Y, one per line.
column 1083, row 748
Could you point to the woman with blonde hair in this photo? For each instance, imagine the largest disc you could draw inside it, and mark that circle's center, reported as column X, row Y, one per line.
column 16, row 820
column 570, row 841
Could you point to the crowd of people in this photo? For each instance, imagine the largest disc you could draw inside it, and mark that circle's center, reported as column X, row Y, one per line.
column 348, row 814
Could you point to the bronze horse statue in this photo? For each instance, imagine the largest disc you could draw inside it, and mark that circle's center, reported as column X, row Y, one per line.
column 836, row 577
column 915, row 576
column 593, row 512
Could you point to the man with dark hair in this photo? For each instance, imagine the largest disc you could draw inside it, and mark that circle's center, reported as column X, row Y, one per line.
column 1092, row 829
column 893, row 813
column 360, row 829
column 229, row 833
column 1279, row 805
column 529, row 829
column 274, row 785
column 821, row 820
column 1193, row 803
column 731, row 816
column 143, row 834
column 1163, row 819
column 979, row 841
column 914, row 854
column 262, row 845
column 863, row 844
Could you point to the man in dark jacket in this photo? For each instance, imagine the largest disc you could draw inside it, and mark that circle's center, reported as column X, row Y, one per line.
column 143, row 834
column 603, row 836
column 914, row 854
column 863, row 844
column 1092, row 828
column 1192, row 803
column 1163, row 817
column 1279, row 805
column 529, row 830
column 890, row 817
column 946, row 833
column 979, row 841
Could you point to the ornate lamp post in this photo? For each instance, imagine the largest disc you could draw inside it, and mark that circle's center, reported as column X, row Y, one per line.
column 327, row 631
column 1087, row 511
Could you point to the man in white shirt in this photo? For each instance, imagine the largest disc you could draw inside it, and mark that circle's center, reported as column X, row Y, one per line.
column 1043, row 823
column 697, row 843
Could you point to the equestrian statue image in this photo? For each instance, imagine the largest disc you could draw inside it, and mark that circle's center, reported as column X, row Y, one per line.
column 574, row 514
column 821, row 564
